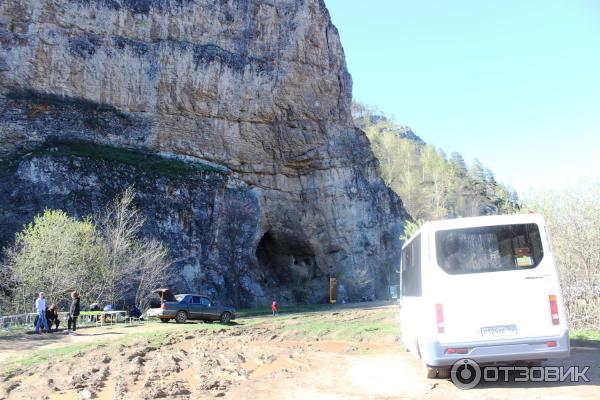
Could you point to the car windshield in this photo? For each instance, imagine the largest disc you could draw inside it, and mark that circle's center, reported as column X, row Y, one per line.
column 489, row 248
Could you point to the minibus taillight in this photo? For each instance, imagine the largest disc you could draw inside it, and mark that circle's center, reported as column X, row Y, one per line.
column 554, row 310
column 453, row 350
column 551, row 343
column 439, row 318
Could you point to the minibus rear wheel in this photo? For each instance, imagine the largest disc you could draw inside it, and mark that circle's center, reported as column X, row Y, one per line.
column 430, row 372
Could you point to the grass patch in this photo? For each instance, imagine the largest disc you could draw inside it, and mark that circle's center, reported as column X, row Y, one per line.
column 15, row 330
column 351, row 331
column 584, row 334
column 319, row 326
column 303, row 308
column 151, row 163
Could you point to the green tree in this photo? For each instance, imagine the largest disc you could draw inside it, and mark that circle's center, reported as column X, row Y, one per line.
column 573, row 217
column 430, row 185
column 457, row 185
column 490, row 184
column 477, row 175
column 410, row 228
column 400, row 165
column 436, row 181
column 458, row 167
column 56, row 254
column 409, row 186
column 507, row 200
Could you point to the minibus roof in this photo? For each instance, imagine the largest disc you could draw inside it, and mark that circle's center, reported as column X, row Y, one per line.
column 471, row 222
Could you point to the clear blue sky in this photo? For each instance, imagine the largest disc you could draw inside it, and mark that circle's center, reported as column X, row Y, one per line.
column 515, row 83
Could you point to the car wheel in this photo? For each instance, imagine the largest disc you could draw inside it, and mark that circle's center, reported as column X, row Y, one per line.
column 225, row 317
column 164, row 320
column 181, row 317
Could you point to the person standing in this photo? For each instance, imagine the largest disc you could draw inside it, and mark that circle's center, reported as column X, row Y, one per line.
column 40, row 306
column 73, row 313
column 274, row 308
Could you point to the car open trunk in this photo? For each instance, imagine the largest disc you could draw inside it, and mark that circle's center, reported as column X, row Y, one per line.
column 165, row 295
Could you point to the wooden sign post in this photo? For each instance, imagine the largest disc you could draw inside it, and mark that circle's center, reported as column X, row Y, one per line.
column 332, row 290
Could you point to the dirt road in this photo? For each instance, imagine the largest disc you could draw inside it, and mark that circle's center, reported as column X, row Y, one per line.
column 346, row 354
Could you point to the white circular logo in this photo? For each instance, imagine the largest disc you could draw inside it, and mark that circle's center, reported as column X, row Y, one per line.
column 465, row 373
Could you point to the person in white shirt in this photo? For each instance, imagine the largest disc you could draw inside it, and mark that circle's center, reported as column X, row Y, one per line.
column 40, row 306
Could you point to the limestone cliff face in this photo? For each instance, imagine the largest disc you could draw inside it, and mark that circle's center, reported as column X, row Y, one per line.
column 257, row 86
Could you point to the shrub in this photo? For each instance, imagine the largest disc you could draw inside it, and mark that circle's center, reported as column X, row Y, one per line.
column 55, row 254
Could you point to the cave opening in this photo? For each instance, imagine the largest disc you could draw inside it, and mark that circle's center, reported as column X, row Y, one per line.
column 285, row 259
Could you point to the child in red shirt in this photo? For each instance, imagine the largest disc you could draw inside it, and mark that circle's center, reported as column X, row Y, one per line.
column 274, row 308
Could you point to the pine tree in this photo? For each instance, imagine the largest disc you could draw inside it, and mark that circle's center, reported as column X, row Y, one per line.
column 477, row 175
column 458, row 165
column 457, row 185
column 430, row 185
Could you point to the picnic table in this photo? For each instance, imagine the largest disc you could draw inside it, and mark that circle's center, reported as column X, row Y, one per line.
column 89, row 315
column 109, row 318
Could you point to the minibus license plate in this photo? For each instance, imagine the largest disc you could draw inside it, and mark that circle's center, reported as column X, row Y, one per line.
column 497, row 331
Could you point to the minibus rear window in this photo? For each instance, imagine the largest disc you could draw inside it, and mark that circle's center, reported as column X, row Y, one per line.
column 489, row 248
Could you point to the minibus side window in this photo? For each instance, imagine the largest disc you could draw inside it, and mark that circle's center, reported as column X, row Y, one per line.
column 411, row 268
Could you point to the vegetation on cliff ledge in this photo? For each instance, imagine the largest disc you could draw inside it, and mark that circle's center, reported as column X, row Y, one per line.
column 153, row 164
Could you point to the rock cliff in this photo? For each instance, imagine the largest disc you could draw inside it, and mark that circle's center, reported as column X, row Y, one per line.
column 256, row 89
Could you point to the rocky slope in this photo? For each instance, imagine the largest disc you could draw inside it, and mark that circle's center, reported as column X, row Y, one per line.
column 257, row 87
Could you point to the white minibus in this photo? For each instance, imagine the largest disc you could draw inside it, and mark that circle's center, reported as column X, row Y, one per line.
column 482, row 288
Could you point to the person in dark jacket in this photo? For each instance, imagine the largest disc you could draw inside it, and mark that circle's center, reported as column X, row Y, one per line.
column 134, row 311
column 74, row 311
column 52, row 318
